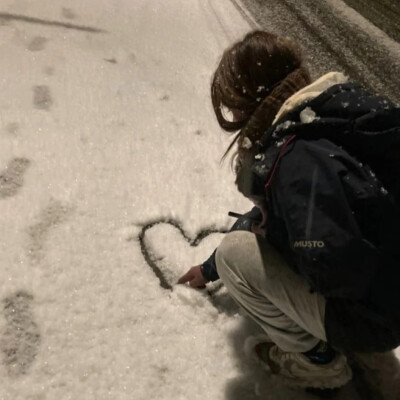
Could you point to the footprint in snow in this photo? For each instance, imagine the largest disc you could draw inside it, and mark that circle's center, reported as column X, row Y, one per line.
column 38, row 43
column 52, row 215
column 42, row 99
column 12, row 178
column 20, row 340
column 68, row 13
column 12, row 128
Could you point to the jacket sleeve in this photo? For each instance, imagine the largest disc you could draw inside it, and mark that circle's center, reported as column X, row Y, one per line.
column 323, row 195
column 209, row 268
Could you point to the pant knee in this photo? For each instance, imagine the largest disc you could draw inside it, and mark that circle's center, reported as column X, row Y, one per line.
column 232, row 250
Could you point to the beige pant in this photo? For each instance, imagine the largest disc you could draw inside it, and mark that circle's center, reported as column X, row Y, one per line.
column 273, row 295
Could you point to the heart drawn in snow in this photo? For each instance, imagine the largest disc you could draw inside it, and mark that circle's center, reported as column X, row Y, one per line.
column 170, row 251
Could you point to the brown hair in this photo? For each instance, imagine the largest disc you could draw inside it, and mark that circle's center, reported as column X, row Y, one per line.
column 253, row 79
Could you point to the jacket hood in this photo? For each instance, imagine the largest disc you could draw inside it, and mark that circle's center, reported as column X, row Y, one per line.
column 310, row 92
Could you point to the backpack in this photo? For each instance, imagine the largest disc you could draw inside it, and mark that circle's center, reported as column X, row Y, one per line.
column 367, row 126
column 366, row 129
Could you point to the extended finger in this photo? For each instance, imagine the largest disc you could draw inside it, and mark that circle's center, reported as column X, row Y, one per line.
column 197, row 283
column 185, row 278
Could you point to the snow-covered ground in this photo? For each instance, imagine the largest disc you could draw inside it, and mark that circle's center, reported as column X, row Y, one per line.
column 102, row 132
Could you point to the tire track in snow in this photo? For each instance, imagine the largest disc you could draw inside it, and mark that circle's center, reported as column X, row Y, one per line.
column 385, row 14
column 5, row 17
column 243, row 12
column 210, row 18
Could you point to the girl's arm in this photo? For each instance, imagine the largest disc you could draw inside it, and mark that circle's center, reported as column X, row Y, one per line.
column 244, row 223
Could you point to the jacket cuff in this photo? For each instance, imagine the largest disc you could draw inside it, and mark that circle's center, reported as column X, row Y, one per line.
column 209, row 269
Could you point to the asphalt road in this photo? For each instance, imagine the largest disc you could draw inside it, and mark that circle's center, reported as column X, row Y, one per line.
column 336, row 41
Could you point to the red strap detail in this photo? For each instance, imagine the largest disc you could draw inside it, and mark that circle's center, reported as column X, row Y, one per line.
column 277, row 162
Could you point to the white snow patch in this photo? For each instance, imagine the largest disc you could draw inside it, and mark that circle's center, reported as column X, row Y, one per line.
column 383, row 191
column 247, row 144
column 261, row 169
column 280, row 143
column 308, row 115
column 282, row 127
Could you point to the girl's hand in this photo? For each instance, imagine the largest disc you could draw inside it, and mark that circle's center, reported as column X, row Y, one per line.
column 194, row 278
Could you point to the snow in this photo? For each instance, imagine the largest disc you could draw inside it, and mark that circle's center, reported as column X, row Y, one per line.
column 280, row 143
column 92, row 150
column 308, row 115
column 110, row 154
column 281, row 127
column 247, row 144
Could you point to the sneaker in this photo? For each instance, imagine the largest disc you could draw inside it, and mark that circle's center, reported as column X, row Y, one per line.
column 252, row 341
column 298, row 370
column 322, row 353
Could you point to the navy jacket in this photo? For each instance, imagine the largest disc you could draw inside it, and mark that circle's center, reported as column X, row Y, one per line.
column 333, row 195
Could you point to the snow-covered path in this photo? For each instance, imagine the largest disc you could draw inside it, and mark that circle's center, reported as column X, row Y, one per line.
column 106, row 125
column 100, row 133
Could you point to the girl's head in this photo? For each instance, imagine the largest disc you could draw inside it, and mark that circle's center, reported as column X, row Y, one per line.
column 253, row 79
